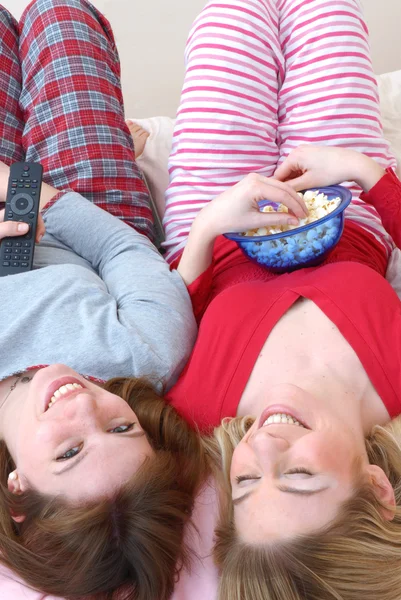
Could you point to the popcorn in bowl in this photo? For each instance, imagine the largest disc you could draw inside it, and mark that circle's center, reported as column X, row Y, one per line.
column 287, row 247
column 317, row 203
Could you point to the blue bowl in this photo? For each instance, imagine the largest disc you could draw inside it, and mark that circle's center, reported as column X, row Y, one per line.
column 305, row 246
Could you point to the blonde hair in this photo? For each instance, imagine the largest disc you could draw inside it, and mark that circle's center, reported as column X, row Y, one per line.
column 358, row 556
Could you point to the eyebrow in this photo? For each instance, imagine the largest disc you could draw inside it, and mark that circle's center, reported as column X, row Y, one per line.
column 82, row 455
column 286, row 490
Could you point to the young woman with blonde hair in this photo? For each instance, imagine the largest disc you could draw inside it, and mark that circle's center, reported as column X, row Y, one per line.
column 310, row 509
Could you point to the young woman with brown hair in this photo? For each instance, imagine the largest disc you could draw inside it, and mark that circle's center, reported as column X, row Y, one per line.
column 100, row 302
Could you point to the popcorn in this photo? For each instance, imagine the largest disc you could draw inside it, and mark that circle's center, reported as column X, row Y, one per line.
column 300, row 248
column 318, row 206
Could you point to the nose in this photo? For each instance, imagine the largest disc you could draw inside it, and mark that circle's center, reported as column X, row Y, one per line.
column 268, row 446
column 82, row 407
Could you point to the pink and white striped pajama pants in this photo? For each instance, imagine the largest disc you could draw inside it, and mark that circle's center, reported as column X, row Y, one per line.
column 263, row 77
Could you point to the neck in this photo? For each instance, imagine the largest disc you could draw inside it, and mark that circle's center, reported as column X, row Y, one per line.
column 339, row 387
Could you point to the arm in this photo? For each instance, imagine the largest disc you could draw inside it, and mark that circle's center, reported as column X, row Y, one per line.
column 314, row 166
column 385, row 196
column 152, row 303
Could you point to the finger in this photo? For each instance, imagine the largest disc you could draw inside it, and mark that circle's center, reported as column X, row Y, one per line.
column 284, row 195
column 41, row 230
column 290, row 190
column 301, row 183
column 272, row 220
column 12, row 229
column 285, row 170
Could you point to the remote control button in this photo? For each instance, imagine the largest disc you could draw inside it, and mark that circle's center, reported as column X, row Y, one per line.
column 6, row 263
column 22, row 181
column 10, row 215
column 27, row 244
column 26, row 251
column 13, row 192
column 14, row 185
column 26, row 168
column 28, row 236
column 7, row 257
column 34, row 181
column 8, row 244
column 15, row 257
column 18, row 244
column 15, row 264
column 34, row 186
column 20, row 185
column 21, row 204
column 27, row 185
column 14, row 180
column 33, row 193
column 31, row 215
column 17, row 250
column 24, row 264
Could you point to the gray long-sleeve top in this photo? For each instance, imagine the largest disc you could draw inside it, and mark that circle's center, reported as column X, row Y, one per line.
column 104, row 302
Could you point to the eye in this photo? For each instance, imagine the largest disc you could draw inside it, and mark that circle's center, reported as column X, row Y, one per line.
column 122, row 428
column 246, row 478
column 300, row 471
column 70, row 453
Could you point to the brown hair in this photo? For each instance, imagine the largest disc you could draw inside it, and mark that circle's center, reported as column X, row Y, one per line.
column 132, row 542
column 357, row 556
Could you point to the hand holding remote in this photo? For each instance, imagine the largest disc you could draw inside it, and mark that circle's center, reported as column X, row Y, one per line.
column 22, row 206
column 11, row 228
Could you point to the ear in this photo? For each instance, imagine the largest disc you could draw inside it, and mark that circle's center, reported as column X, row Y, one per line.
column 383, row 490
column 15, row 486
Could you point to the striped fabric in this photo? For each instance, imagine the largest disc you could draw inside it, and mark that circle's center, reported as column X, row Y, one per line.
column 61, row 104
column 262, row 77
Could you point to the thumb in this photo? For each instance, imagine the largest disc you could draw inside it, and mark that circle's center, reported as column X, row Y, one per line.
column 274, row 220
column 12, row 229
column 303, row 182
column 285, row 170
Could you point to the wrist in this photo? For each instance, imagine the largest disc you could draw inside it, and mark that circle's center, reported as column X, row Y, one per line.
column 204, row 227
column 4, row 176
column 367, row 172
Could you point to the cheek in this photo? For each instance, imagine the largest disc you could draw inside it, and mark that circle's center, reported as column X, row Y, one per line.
column 35, row 442
column 331, row 452
column 241, row 459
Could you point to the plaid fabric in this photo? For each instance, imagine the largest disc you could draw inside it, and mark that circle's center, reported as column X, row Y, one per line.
column 72, row 118
column 11, row 124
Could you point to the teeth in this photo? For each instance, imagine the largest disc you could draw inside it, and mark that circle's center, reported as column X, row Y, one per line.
column 64, row 389
column 282, row 418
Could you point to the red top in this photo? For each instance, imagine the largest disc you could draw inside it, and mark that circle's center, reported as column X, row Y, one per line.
column 242, row 302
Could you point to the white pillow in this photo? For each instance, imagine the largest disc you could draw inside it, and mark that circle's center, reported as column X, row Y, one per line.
column 390, row 103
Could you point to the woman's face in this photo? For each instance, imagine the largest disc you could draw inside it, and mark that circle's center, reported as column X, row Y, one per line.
column 68, row 436
column 290, row 478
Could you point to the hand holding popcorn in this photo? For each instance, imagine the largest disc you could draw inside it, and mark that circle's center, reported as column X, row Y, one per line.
column 237, row 209
column 311, row 166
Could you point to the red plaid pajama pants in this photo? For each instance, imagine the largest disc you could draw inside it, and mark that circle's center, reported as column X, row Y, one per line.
column 61, row 104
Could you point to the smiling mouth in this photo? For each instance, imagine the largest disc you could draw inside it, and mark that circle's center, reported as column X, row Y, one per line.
column 64, row 391
column 282, row 418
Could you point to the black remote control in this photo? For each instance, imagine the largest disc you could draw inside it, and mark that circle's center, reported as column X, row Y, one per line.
column 22, row 205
